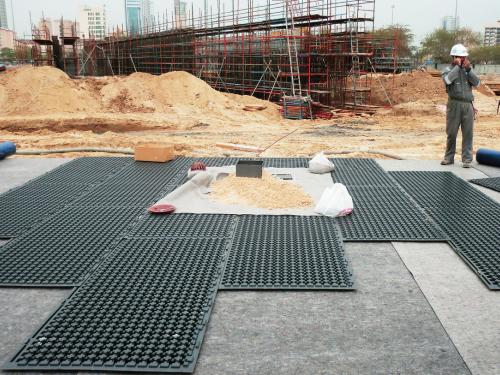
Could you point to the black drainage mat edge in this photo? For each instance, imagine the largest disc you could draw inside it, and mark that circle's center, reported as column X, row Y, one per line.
column 396, row 239
column 474, row 269
column 289, row 288
column 45, row 286
column 96, row 369
column 492, row 183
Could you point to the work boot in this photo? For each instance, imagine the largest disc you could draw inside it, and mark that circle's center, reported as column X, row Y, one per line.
column 466, row 164
column 446, row 162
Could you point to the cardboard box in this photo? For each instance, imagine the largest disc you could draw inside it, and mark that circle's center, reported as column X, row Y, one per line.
column 154, row 152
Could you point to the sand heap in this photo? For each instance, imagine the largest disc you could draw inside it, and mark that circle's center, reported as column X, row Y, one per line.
column 142, row 92
column 420, row 93
column 407, row 87
column 268, row 192
column 44, row 90
column 47, row 90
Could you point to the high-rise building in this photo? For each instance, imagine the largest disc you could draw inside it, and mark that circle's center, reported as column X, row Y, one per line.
column 133, row 15
column 147, row 12
column 450, row 23
column 6, row 38
column 492, row 35
column 180, row 13
column 93, row 22
column 3, row 15
column 138, row 14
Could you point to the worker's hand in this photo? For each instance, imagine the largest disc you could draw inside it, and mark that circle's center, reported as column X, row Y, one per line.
column 467, row 64
column 457, row 61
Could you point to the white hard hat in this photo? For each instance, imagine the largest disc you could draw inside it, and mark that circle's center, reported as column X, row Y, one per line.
column 459, row 50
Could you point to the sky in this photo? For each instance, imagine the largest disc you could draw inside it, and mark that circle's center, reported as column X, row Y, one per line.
column 422, row 16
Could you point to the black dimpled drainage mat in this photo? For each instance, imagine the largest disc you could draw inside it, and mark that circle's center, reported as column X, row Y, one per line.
column 144, row 309
column 390, row 223
column 184, row 225
column 25, row 206
column 492, row 183
column 268, row 162
column 360, row 172
column 472, row 225
column 286, row 252
column 84, row 171
column 475, row 235
column 143, row 193
column 383, row 213
column 139, row 184
column 441, row 189
column 62, row 251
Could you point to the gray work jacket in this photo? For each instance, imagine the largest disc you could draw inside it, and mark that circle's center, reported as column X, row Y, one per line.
column 459, row 83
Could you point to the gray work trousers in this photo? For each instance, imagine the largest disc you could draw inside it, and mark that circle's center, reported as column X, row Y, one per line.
column 459, row 114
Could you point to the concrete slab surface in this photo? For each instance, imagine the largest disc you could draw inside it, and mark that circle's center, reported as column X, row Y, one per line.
column 413, row 309
column 488, row 170
column 385, row 327
column 469, row 312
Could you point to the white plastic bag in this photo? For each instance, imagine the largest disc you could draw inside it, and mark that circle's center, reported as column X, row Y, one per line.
column 335, row 201
column 320, row 164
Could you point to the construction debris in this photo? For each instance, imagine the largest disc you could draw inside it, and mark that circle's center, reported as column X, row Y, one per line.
column 154, row 152
column 237, row 147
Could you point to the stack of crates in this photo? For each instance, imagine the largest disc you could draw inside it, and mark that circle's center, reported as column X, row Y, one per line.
column 296, row 107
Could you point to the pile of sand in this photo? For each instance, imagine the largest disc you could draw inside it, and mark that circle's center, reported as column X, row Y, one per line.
column 407, row 87
column 44, row 90
column 267, row 192
column 420, row 93
column 142, row 92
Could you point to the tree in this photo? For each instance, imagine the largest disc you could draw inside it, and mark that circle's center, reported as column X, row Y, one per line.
column 402, row 36
column 438, row 43
column 485, row 55
column 7, row 55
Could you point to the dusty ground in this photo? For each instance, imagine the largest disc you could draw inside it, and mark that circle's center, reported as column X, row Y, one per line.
column 177, row 109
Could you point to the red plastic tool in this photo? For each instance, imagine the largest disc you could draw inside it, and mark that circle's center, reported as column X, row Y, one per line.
column 198, row 166
column 162, row 209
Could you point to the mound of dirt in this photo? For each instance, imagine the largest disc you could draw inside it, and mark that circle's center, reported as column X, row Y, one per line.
column 47, row 91
column 44, row 90
column 420, row 93
column 170, row 92
column 407, row 87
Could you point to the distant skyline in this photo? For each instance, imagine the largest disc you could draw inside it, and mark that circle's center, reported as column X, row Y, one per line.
column 422, row 16
column 3, row 15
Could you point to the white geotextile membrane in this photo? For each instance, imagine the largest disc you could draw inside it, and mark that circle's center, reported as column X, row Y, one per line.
column 194, row 195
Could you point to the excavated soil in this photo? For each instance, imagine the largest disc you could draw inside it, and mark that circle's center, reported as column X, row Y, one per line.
column 42, row 108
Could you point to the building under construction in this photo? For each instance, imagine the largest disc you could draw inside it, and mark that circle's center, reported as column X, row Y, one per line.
column 53, row 43
column 320, row 51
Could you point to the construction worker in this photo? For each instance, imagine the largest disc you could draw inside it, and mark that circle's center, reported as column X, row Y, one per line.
column 459, row 79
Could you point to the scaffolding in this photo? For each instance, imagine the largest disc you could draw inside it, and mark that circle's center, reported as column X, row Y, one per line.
column 315, row 54
column 43, row 49
column 69, row 59
column 318, row 47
